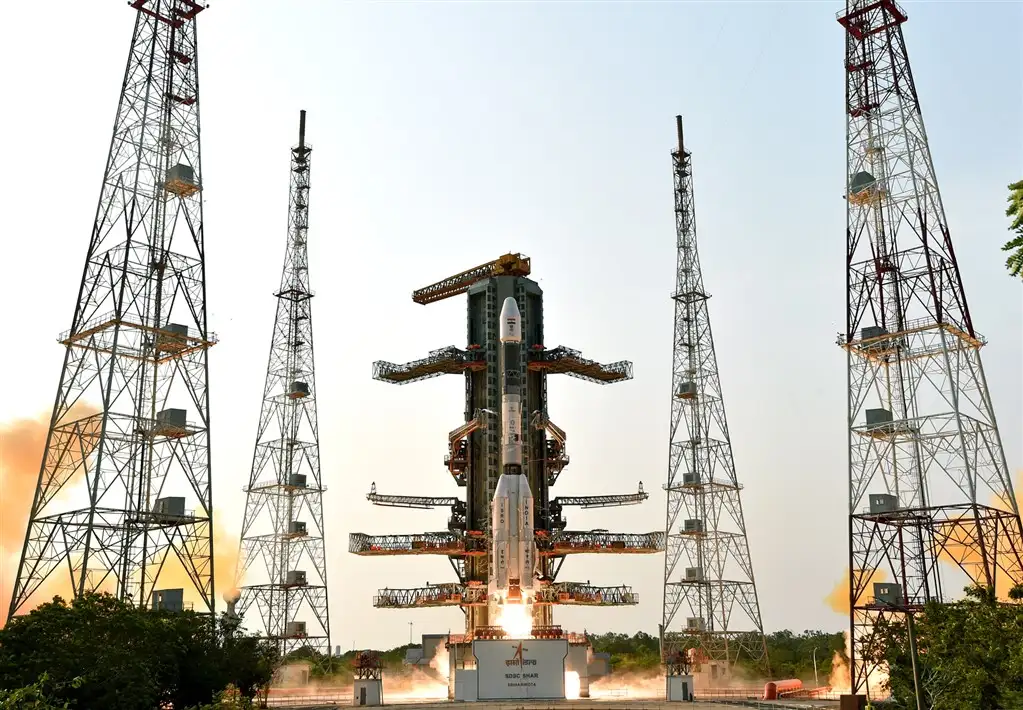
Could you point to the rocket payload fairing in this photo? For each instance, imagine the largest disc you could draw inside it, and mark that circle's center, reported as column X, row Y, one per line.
column 513, row 547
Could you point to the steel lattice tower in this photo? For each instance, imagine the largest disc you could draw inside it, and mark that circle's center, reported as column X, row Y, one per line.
column 136, row 352
column 928, row 478
column 708, row 574
column 283, row 526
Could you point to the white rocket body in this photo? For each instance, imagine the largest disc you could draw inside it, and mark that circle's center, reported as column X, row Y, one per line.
column 513, row 548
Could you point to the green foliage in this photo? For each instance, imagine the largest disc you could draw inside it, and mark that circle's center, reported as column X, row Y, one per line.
column 1015, row 209
column 338, row 669
column 629, row 654
column 228, row 699
column 970, row 654
column 791, row 655
column 126, row 658
column 1015, row 245
column 37, row 696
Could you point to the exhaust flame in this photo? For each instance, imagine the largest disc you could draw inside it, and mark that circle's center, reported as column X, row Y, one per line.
column 516, row 620
column 440, row 661
column 841, row 680
column 572, row 685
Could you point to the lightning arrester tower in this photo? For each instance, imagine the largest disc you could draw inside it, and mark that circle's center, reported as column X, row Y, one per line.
column 711, row 611
column 282, row 539
column 124, row 486
column 928, row 478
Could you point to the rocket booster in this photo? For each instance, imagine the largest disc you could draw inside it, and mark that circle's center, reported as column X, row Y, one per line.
column 513, row 548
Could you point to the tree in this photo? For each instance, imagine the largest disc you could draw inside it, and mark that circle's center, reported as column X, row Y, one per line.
column 35, row 697
column 127, row 658
column 970, row 654
column 1015, row 245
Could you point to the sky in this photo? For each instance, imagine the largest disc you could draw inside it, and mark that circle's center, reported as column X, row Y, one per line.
column 446, row 134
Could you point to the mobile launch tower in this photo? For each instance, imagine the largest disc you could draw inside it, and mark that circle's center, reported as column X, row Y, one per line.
column 473, row 460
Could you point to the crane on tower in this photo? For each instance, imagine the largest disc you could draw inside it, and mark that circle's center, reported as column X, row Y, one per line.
column 507, row 265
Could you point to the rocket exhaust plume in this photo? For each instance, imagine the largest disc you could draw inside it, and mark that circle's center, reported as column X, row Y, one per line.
column 513, row 548
column 22, row 445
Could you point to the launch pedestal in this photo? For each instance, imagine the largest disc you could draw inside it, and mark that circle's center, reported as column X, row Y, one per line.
column 368, row 685
column 368, row 691
column 678, row 688
column 578, row 662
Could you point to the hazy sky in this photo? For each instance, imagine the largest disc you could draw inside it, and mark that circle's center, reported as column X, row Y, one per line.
column 446, row 134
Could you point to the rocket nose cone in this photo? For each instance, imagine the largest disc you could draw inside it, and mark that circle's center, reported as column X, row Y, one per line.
column 510, row 309
column 510, row 320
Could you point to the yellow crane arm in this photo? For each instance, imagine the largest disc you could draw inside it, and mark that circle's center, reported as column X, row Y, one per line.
column 507, row 265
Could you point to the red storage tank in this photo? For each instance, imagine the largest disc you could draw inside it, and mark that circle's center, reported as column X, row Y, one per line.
column 774, row 687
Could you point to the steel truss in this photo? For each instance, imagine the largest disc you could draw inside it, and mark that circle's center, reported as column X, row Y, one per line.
column 453, row 594
column 507, row 265
column 455, row 544
column 282, row 553
column 563, row 360
column 708, row 574
column 458, row 509
column 556, row 507
column 136, row 352
column 928, row 478
column 443, row 361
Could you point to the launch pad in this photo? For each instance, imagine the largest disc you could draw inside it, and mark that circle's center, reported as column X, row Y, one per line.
column 549, row 665
column 507, row 669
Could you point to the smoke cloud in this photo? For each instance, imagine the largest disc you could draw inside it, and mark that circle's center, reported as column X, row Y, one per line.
column 22, row 444
column 838, row 599
column 969, row 556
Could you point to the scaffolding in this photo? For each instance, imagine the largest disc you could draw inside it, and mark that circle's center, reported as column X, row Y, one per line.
column 557, row 506
column 443, row 361
column 566, row 361
column 454, row 594
column 453, row 544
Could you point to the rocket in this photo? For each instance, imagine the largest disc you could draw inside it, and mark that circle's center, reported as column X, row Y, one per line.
column 513, row 548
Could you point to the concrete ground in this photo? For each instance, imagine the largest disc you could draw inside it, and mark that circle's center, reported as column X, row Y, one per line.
column 595, row 705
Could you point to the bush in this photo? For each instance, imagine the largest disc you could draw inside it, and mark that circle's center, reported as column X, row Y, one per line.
column 101, row 652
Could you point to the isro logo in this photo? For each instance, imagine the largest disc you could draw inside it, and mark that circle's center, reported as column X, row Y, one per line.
column 518, row 660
